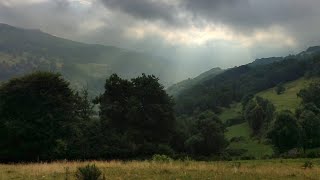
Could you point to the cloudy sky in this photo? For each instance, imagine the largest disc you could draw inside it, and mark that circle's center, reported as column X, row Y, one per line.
column 197, row 34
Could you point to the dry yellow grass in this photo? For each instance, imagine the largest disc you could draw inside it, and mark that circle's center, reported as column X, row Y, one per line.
column 266, row 169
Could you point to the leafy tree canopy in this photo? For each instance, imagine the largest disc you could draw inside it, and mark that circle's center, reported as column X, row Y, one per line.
column 139, row 111
column 208, row 136
column 286, row 132
column 37, row 113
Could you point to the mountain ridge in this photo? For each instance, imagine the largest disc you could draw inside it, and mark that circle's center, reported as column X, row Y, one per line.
column 38, row 50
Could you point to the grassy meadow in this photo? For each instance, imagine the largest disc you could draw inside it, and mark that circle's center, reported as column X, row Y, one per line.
column 233, row 111
column 254, row 147
column 254, row 169
column 288, row 100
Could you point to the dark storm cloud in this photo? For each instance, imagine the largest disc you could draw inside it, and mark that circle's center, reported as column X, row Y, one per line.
column 209, row 6
column 61, row 5
column 249, row 14
column 146, row 9
column 244, row 15
column 53, row 15
column 299, row 19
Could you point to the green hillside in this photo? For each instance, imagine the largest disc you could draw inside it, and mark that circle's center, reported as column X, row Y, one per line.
column 233, row 84
column 288, row 100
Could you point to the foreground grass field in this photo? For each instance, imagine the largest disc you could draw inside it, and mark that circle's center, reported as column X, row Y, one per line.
column 257, row 169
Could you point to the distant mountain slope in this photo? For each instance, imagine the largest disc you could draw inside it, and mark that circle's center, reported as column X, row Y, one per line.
column 265, row 61
column 314, row 49
column 307, row 54
column 34, row 49
column 175, row 89
column 235, row 83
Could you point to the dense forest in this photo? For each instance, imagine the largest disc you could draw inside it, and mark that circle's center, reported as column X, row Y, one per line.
column 42, row 118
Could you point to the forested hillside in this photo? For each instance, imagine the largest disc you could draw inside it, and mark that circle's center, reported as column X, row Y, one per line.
column 257, row 101
column 175, row 89
column 234, row 84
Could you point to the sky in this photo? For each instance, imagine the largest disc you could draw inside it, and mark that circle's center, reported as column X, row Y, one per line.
column 196, row 34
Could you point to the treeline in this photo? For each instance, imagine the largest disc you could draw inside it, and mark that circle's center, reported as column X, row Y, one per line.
column 236, row 83
column 43, row 119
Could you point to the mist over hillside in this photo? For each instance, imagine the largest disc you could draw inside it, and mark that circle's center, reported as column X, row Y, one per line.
column 23, row 51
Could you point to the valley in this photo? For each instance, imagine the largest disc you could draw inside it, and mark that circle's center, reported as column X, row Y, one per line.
column 254, row 114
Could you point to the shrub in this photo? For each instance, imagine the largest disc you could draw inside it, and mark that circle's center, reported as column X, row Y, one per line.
column 89, row 172
column 161, row 158
column 280, row 89
column 266, row 156
column 236, row 152
column 238, row 139
column 247, row 158
column 313, row 154
column 225, row 157
column 307, row 164
column 235, row 121
column 293, row 153
column 164, row 149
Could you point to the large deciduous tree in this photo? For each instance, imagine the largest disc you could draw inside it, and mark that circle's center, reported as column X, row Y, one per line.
column 309, row 115
column 208, row 136
column 286, row 132
column 37, row 117
column 311, row 94
column 138, row 113
column 259, row 113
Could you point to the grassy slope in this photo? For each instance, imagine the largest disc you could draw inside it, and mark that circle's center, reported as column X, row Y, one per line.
column 255, row 148
column 266, row 169
column 287, row 100
column 233, row 111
